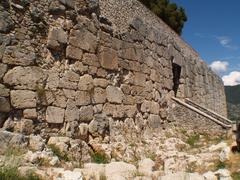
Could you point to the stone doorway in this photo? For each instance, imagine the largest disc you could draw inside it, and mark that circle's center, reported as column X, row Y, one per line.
column 176, row 77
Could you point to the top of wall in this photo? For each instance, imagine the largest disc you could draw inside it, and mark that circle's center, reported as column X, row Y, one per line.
column 122, row 13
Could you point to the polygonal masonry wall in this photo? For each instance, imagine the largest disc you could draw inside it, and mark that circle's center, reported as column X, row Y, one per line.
column 77, row 67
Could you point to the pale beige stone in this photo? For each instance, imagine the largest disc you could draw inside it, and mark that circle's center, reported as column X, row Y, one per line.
column 114, row 94
column 108, row 58
column 99, row 95
column 82, row 98
column 86, row 113
column 85, row 83
column 23, row 99
column 30, row 113
column 55, row 115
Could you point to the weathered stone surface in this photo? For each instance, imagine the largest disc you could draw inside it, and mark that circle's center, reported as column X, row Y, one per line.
column 83, row 39
column 74, row 53
column 25, row 77
column 6, row 23
column 82, row 98
column 56, row 7
column 36, row 143
column 3, row 70
column 108, row 58
column 30, row 113
column 145, row 167
column 72, row 112
column 99, row 95
column 100, row 82
column 4, row 91
column 120, row 169
column 139, row 79
column 25, row 126
column 23, row 99
column 4, row 105
column 12, row 139
column 57, row 37
column 154, row 121
column 86, row 113
column 99, row 126
column 91, row 59
column 54, row 115
column 114, row 94
column 86, row 83
column 83, row 130
column 14, row 55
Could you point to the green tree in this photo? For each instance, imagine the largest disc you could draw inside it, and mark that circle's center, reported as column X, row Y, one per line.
column 169, row 12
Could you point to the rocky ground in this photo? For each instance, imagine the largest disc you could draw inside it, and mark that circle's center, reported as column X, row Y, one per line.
column 171, row 154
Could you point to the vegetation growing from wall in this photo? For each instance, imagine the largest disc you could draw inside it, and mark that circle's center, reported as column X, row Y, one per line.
column 169, row 12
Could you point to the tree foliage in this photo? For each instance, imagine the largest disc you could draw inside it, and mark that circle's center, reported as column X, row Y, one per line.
column 170, row 13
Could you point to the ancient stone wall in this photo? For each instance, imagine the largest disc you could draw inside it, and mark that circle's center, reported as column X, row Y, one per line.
column 81, row 67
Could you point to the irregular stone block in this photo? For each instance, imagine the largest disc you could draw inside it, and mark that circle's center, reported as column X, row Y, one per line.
column 99, row 126
column 99, row 95
column 56, row 38
column 6, row 23
column 100, row 82
column 108, row 58
column 3, row 70
column 4, row 105
column 91, row 59
column 4, row 91
column 154, row 121
column 114, row 94
column 72, row 112
column 74, row 53
column 83, row 39
column 139, row 79
column 85, row 82
column 86, row 113
column 25, row 126
column 21, row 99
column 82, row 98
column 30, row 113
column 25, row 77
column 54, row 115
column 17, row 56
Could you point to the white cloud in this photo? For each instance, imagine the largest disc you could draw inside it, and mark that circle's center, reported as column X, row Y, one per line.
column 232, row 79
column 226, row 42
column 219, row 66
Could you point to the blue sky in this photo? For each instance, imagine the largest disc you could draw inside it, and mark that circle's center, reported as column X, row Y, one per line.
column 213, row 30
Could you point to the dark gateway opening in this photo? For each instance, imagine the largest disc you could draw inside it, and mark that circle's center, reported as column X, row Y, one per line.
column 176, row 77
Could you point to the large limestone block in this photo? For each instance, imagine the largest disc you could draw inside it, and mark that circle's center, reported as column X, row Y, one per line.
column 99, row 126
column 15, row 55
column 99, row 96
column 21, row 99
column 91, row 59
column 56, row 38
column 25, row 77
column 120, row 169
column 108, row 58
column 86, row 113
column 83, row 39
column 82, row 98
column 54, row 115
column 74, row 53
column 4, row 105
column 154, row 121
column 139, row 79
column 114, row 94
column 72, row 112
column 85, row 83
column 30, row 113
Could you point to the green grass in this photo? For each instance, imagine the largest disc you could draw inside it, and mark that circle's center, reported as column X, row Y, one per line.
column 57, row 152
column 236, row 176
column 99, row 158
column 12, row 173
column 14, row 151
column 220, row 165
column 192, row 140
